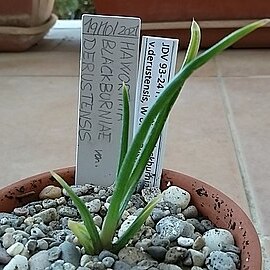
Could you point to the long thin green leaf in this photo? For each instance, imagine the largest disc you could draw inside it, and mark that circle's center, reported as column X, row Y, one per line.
column 194, row 43
column 80, row 231
column 125, row 127
column 136, row 225
column 167, row 98
column 143, row 155
column 84, row 212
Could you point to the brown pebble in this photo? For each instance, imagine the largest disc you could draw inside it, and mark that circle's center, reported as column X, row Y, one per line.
column 50, row 192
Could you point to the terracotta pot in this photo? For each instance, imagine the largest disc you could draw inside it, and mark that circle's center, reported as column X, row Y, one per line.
column 212, row 203
column 172, row 18
column 17, row 39
column 25, row 13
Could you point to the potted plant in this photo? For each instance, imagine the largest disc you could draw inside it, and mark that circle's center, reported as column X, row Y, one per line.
column 171, row 18
column 24, row 23
column 211, row 203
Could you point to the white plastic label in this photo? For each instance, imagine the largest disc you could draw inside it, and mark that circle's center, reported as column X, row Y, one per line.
column 109, row 57
column 156, row 68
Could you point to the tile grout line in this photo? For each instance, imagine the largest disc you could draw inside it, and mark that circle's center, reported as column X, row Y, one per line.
column 242, row 164
column 238, row 152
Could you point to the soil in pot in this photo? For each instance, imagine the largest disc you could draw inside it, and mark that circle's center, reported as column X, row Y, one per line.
column 174, row 236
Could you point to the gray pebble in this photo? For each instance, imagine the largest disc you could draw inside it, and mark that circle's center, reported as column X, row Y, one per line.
column 67, row 211
column 143, row 244
column 17, row 262
column 147, row 264
column 165, row 266
column 196, row 223
column 170, row 227
column 54, row 254
column 47, row 215
column 207, row 224
column 49, row 203
column 159, row 241
column 39, row 261
column 42, row 244
column 69, row 266
column 216, row 238
column 31, row 245
column 21, row 211
column 8, row 240
column 58, row 265
column 120, row 265
column 4, row 256
column 132, row 255
column 199, row 243
column 85, row 259
column 157, row 214
column 190, row 212
column 108, row 262
column 105, row 253
column 176, row 196
column 175, row 254
column 197, row 257
column 37, row 233
column 157, row 252
column 94, row 205
column 98, row 266
column 98, row 220
column 235, row 257
column 219, row 260
column 150, row 193
column 70, row 253
column 230, row 248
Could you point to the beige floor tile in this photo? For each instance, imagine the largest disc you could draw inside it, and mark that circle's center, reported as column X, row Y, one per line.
column 266, row 244
column 46, row 63
column 250, row 99
column 234, row 63
column 208, row 70
column 199, row 141
column 38, row 125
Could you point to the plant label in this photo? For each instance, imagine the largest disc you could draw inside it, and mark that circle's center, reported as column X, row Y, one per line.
column 109, row 57
column 156, row 68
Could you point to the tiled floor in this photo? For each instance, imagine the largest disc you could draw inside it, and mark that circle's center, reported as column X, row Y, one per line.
column 219, row 130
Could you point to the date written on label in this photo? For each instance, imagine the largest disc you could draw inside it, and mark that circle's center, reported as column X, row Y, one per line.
column 156, row 68
column 110, row 28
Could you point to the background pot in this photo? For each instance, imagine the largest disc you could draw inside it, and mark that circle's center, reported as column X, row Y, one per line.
column 23, row 23
column 172, row 18
column 212, row 203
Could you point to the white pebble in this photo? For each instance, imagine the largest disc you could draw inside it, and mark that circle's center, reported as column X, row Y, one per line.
column 126, row 224
column 185, row 241
column 176, row 196
column 215, row 238
column 18, row 262
column 15, row 249
column 94, row 206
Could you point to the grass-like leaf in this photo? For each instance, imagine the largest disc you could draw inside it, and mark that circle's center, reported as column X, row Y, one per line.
column 194, row 43
column 82, row 234
column 136, row 225
column 129, row 174
column 125, row 127
column 84, row 212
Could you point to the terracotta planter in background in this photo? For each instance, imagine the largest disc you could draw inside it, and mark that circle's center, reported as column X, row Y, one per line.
column 24, row 22
column 211, row 203
column 172, row 18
